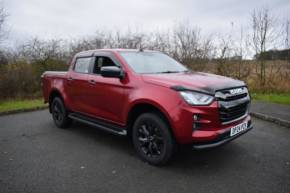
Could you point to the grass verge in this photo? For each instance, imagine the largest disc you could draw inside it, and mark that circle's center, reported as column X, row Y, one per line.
column 25, row 104
column 273, row 98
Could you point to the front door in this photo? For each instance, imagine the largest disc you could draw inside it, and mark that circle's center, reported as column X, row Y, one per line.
column 106, row 95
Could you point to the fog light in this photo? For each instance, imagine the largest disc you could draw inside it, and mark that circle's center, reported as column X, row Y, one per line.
column 195, row 126
column 195, row 117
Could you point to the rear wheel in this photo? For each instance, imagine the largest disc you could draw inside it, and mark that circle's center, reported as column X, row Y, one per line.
column 59, row 113
column 152, row 139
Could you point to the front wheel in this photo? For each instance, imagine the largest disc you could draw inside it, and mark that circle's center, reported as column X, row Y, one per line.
column 59, row 113
column 152, row 139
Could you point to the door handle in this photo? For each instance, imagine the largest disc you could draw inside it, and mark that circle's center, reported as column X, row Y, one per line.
column 92, row 81
column 69, row 78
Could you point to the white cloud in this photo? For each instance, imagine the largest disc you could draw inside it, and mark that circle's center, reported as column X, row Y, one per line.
column 75, row 18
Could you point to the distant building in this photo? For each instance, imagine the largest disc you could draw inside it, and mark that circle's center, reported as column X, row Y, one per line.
column 235, row 58
column 274, row 55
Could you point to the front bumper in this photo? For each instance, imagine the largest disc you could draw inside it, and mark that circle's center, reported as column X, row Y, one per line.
column 222, row 138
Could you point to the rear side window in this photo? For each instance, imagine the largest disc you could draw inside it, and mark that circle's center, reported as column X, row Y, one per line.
column 82, row 65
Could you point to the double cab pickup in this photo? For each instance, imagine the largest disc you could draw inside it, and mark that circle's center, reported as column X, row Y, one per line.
column 149, row 97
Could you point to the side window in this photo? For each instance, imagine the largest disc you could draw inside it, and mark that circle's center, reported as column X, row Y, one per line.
column 102, row 61
column 82, row 65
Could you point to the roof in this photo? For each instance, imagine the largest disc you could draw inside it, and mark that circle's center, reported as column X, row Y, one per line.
column 91, row 52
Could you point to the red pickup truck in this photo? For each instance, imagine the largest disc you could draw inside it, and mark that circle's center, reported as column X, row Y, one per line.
column 151, row 98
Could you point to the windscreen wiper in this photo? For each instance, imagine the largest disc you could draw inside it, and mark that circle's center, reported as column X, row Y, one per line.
column 173, row 71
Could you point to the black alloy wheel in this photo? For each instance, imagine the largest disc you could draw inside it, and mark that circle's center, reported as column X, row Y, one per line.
column 59, row 113
column 152, row 139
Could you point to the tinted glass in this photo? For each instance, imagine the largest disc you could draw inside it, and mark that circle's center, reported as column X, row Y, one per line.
column 82, row 65
column 102, row 61
column 152, row 62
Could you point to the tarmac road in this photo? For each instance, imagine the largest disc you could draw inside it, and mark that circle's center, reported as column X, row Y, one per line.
column 37, row 157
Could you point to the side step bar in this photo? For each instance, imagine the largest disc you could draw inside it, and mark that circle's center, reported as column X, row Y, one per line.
column 114, row 129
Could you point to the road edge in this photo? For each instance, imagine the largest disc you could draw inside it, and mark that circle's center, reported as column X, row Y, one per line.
column 264, row 117
column 22, row 110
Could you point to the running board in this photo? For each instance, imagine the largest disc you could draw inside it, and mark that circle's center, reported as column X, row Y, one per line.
column 112, row 128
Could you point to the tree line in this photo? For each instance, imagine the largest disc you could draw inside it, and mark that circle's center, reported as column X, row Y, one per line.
column 230, row 54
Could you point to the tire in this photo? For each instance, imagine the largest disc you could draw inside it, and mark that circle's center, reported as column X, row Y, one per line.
column 59, row 113
column 152, row 139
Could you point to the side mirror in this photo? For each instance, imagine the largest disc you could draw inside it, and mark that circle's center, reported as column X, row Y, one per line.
column 112, row 71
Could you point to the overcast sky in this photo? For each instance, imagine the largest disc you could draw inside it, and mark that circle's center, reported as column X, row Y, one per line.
column 77, row 18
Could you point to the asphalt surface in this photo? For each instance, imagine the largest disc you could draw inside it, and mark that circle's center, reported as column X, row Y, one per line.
column 37, row 157
column 271, row 109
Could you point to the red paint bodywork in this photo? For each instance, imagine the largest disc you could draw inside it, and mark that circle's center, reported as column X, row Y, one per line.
column 111, row 99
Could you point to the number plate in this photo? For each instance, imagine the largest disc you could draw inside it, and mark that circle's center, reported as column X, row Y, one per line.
column 239, row 128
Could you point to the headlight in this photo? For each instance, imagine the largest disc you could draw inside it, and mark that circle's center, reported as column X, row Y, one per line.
column 195, row 98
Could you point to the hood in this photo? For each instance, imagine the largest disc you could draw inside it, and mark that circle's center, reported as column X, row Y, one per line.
column 202, row 82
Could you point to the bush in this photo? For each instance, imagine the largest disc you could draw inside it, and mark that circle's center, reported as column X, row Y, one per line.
column 22, row 79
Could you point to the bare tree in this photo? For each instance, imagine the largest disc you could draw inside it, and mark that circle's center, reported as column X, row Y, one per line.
column 130, row 40
column 160, row 41
column 241, row 51
column 287, row 37
column 190, row 47
column 186, row 42
column 223, row 54
column 264, row 34
column 3, row 18
column 39, row 50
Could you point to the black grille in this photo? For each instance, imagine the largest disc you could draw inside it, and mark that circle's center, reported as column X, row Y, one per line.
column 232, row 107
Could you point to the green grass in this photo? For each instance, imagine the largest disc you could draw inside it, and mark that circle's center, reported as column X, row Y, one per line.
column 24, row 104
column 274, row 98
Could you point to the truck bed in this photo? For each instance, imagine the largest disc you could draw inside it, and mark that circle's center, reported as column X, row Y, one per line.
column 52, row 80
column 54, row 73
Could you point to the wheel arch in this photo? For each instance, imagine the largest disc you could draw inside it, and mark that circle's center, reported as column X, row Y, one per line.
column 54, row 93
column 143, row 107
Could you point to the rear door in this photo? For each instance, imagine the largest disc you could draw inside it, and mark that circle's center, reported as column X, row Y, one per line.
column 77, row 83
column 106, row 95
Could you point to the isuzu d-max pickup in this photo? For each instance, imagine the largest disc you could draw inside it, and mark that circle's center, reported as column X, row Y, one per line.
column 151, row 98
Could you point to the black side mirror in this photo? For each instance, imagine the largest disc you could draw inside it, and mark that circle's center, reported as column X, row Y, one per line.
column 112, row 71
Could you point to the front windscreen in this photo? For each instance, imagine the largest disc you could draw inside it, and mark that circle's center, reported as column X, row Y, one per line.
column 152, row 62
